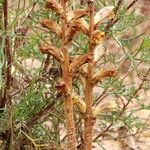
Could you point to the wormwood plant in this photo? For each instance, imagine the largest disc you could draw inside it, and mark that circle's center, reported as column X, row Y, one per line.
column 83, row 83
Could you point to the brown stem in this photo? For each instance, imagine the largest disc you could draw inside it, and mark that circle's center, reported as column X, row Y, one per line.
column 88, row 120
column 7, row 89
column 1, row 40
column 68, row 103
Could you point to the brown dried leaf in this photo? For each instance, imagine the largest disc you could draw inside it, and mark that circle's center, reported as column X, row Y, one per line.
column 52, row 50
column 55, row 6
column 102, row 14
column 51, row 25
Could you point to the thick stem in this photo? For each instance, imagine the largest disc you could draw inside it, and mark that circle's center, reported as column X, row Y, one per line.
column 68, row 103
column 88, row 121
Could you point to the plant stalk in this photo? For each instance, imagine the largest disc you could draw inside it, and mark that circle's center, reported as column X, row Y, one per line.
column 8, row 79
column 88, row 119
column 68, row 103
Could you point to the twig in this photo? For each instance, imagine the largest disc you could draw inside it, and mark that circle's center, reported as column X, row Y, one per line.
column 7, row 89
